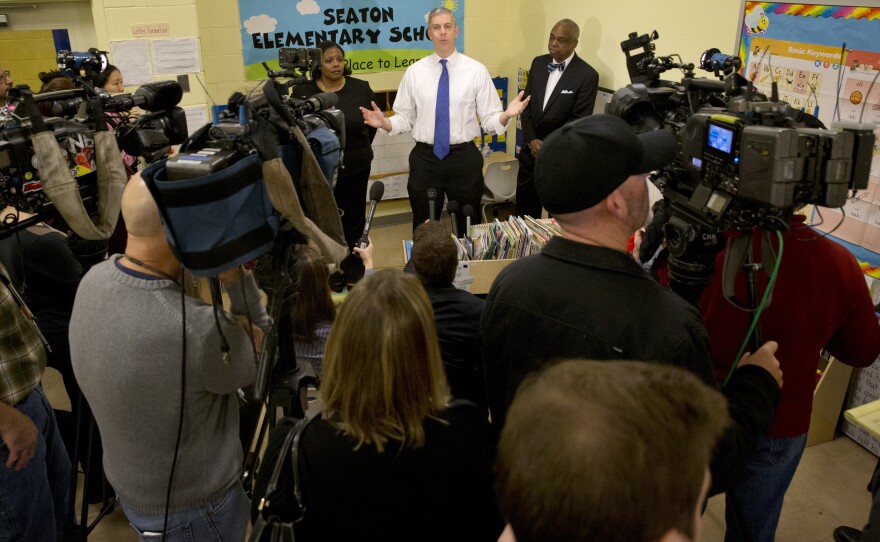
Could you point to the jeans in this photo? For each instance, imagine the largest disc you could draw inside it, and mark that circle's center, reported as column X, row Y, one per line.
column 33, row 501
column 759, row 493
column 223, row 519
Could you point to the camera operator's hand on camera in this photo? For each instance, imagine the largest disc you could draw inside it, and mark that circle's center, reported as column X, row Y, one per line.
column 365, row 254
column 765, row 357
column 265, row 139
column 376, row 117
column 652, row 237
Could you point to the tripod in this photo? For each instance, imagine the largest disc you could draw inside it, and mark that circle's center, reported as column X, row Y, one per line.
column 282, row 383
column 77, row 532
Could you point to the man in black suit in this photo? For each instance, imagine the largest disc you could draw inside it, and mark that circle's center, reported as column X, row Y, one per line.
column 563, row 88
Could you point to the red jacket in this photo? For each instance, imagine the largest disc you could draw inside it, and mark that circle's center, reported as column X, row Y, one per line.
column 820, row 300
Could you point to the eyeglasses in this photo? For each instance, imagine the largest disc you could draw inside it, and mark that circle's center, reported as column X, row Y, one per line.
column 5, row 75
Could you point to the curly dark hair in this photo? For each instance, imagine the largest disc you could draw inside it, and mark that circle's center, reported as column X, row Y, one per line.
column 55, row 80
column 434, row 256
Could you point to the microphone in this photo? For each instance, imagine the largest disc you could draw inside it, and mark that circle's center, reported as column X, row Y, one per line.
column 432, row 196
column 377, row 190
column 468, row 211
column 452, row 209
column 319, row 102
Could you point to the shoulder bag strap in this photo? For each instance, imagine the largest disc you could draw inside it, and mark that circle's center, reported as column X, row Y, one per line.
column 272, row 486
column 294, row 458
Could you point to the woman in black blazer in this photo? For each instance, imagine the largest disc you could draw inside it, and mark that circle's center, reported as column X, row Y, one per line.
column 333, row 75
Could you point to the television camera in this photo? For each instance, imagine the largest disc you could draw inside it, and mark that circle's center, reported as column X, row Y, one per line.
column 229, row 164
column 244, row 139
column 268, row 106
column 88, row 63
column 148, row 135
column 77, row 115
column 744, row 160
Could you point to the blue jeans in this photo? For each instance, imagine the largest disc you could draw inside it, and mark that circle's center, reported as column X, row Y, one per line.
column 759, row 493
column 33, row 501
column 223, row 519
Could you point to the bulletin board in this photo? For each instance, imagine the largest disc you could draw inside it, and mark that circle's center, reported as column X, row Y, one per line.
column 825, row 60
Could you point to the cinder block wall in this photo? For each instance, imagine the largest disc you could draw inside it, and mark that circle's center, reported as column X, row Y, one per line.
column 25, row 53
column 114, row 20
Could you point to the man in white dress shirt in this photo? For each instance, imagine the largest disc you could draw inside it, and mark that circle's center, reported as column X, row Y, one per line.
column 439, row 100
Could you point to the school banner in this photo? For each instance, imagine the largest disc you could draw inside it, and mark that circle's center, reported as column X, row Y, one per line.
column 377, row 36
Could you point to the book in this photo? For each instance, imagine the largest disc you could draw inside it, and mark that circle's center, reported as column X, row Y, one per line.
column 866, row 416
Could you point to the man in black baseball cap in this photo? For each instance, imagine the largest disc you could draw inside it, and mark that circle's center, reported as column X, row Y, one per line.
column 585, row 296
column 590, row 158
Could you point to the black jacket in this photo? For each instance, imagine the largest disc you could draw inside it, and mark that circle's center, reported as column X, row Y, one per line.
column 358, row 136
column 573, row 97
column 457, row 317
column 580, row 301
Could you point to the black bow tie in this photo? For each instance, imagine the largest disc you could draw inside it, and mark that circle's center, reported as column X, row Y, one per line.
column 554, row 66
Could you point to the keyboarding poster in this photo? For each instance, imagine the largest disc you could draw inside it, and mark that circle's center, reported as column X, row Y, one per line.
column 825, row 60
column 376, row 36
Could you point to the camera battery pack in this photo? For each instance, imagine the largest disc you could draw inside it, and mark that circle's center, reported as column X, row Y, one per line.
column 191, row 165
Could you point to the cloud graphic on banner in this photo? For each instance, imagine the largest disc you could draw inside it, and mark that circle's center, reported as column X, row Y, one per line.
column 308, row 7
column 260, row 24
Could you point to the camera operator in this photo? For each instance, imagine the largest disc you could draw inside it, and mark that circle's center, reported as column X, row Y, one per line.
column 110, row 80
column 819, row 301
column 42, row 265
column 562, row 481
column 34, row 467
column 584, row 295
column 53, row 81
column 130, row 326
column 333, row 75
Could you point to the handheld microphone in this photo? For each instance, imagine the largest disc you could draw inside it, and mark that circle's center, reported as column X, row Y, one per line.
column 377, row 190
column 468, row 211
column 452, row 209
column 432, row 196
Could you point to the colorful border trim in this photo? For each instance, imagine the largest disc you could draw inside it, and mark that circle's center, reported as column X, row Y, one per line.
column 814, row 10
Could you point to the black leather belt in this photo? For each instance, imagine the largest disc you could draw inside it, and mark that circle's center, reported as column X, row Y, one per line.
column 455, row 147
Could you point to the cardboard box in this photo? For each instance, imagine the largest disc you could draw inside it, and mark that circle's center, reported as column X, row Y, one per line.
column 482, row 273
column 474, row 276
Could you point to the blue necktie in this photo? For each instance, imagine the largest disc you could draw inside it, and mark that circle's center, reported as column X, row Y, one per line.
column 441, row 119
column 553, row 66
